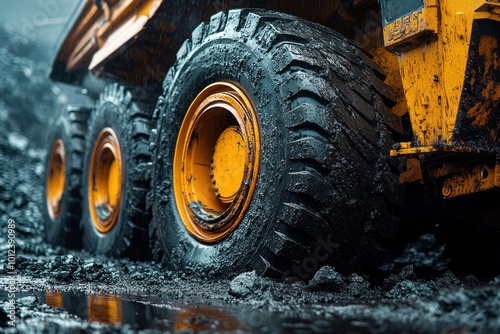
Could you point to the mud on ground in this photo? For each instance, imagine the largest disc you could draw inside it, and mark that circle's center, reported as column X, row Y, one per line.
column 65, row 291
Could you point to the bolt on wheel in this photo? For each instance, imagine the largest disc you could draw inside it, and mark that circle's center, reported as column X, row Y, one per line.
column 216, row 162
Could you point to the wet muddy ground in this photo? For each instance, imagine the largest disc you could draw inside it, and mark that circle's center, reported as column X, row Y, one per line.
column 66, row 291
column 55, row 290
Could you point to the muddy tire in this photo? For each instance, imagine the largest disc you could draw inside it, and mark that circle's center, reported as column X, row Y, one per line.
column 117, row 176
column 62, row 201
column 325, row 132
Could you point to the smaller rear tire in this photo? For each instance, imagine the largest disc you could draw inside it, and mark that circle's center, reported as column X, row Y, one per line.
column 117, row 177
column 62, row 196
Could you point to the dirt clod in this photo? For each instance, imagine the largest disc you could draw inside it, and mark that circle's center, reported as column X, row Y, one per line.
column 357, row 285
column 250, row 286
column 327, row 278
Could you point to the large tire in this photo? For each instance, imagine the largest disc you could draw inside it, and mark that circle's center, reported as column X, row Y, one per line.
column 62, row 198
column 321, row 191
column 117, row 176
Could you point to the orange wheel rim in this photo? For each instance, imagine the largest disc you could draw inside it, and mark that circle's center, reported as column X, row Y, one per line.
column 105, row 181
column 216, row 162
column 56, row 179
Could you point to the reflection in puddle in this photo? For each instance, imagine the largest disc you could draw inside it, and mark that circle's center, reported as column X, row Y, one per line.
column 205, row 315
column 111, row 310
column 106, row 309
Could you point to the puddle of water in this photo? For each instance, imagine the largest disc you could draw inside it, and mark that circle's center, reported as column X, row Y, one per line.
column 167, row 315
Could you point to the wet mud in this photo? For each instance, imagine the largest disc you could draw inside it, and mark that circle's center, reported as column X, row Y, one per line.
column 57, row 290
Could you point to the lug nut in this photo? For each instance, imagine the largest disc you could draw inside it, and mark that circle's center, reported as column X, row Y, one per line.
column 447, row 190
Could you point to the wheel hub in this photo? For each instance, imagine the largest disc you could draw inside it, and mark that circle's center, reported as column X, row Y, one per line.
column 56, row 179
column 216, row 162
column 105, row 181
column 228, row 164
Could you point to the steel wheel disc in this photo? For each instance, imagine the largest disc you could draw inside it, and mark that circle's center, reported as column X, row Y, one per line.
column 105, row 181
column 216, row 162
column 56, row 179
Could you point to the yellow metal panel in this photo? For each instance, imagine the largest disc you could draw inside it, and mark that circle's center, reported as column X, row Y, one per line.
column 132, row 16
column 408, row 150
column 468, row 182
column 434, row 67
column 488, row 10
column 433, row 70
column 404, row 31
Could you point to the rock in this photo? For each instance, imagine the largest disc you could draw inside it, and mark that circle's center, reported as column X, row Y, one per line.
column 28, row 301
column 325, row 279
column 407, row 273
column 66, row 268
column 17, row 141
column 471, row 281
column 20, row 202
column 249, row 285
column 410, row 289
column 427, row 255
column 495, row 280
column 357, row 285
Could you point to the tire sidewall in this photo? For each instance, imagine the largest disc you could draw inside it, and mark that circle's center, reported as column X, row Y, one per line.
column 231, row 61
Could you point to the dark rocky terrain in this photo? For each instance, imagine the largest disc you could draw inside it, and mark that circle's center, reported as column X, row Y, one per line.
column 416, row 292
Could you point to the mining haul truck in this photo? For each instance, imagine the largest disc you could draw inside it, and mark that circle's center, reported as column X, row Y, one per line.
column 270, row 135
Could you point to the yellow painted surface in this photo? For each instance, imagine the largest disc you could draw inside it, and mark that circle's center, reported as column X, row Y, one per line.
column 433, row 71
column 56, row 179
column 389, row 62
column 216, row 161
column 99, row 34
column 412, row 150
column 481, row 112
column 411, row 27
column 229, row 161
column 105, row 181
